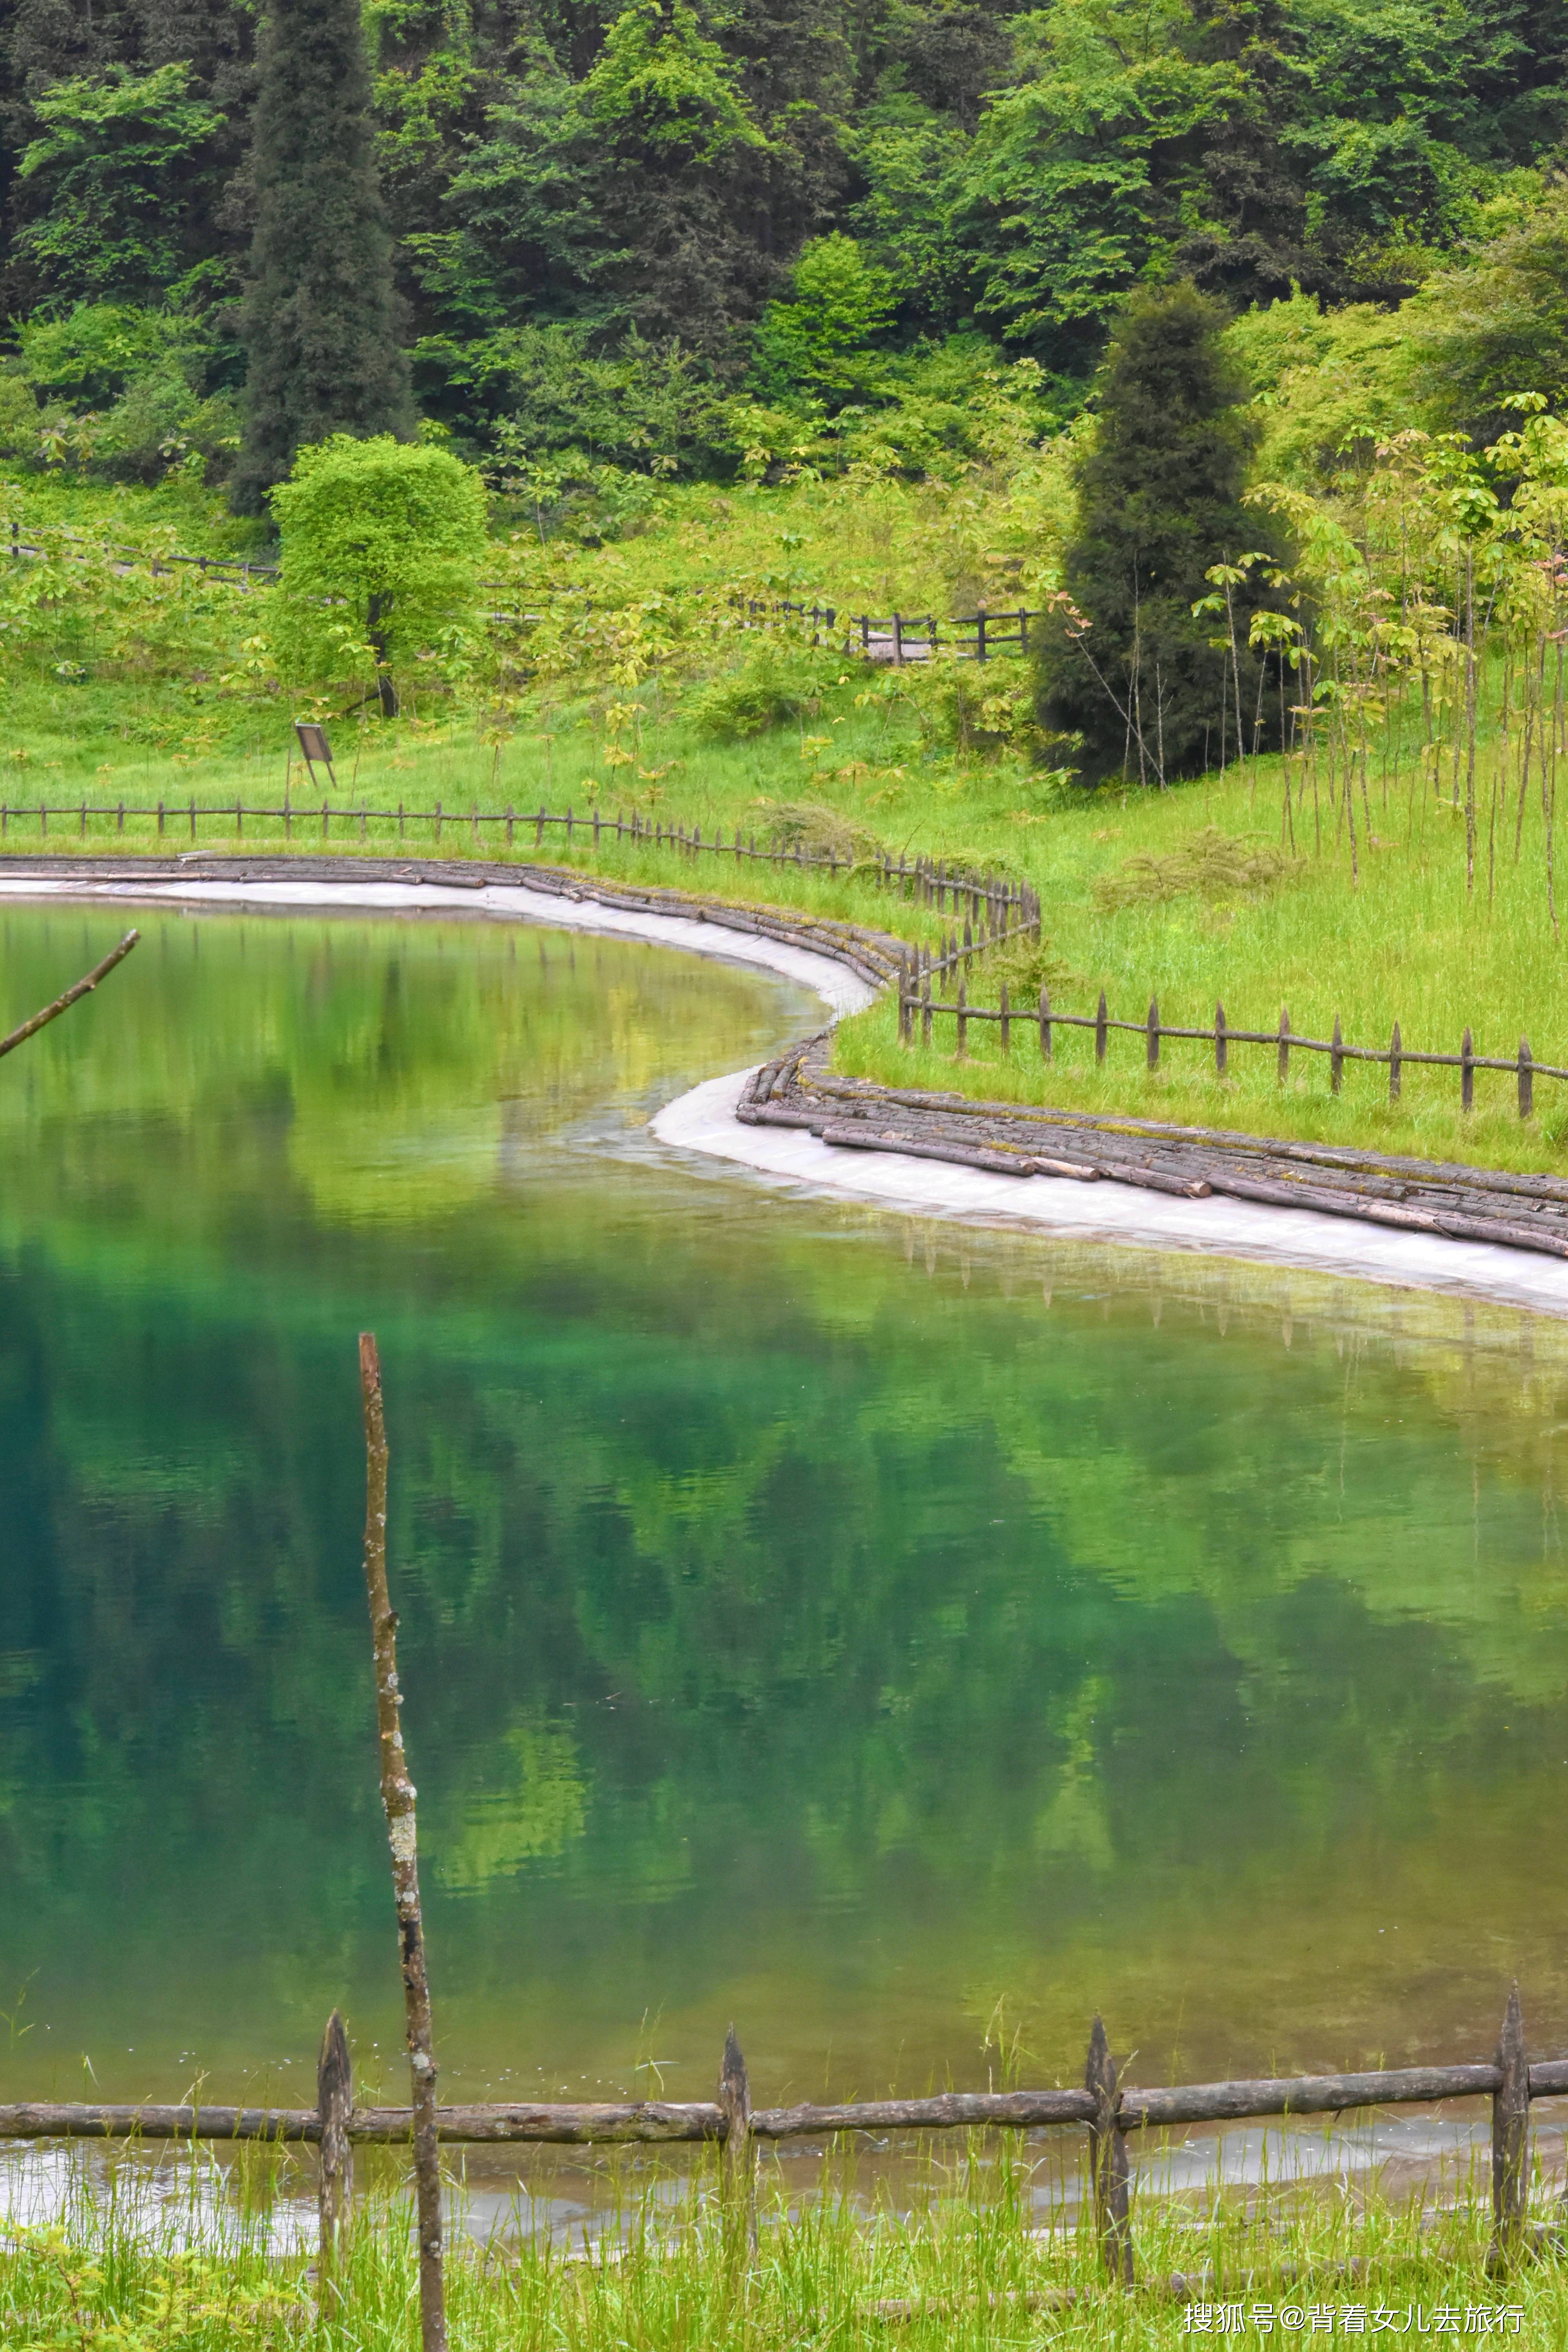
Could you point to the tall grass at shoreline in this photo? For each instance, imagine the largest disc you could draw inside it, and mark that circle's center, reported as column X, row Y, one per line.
column 969, row 2264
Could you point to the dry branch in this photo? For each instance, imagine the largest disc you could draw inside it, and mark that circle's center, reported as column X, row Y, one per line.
column 83, row 987
column 397, row 1794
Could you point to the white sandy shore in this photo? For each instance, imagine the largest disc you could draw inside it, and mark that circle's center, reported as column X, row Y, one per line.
column 704, row 1121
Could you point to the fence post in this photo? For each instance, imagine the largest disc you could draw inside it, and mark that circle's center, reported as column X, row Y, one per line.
column 84, row 820
column 335, row 2180
column 962, row 1024
column 1336, row 1057
column 1467, row 1073
column 1394, row 1052
column 160, row 820
column 905, row 1018
column 1005, row 1018
column 1100, row 1029
column 1023, row 632
column 740, row 2164
column 1219, row 1040
column 438, row 820
column 1044, row 1024
column 1107, row 2161
column 979, row 635
column 1153, row 1033
column 1510, row 2138
column 1526, row 1080
column 968, row 944
column 898, row 642
column 1284, row 1042
column 539, row 827
column 925, row 1010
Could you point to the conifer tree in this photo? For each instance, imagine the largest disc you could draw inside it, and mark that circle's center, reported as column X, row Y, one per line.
column 320, row 318
column 1159, row 502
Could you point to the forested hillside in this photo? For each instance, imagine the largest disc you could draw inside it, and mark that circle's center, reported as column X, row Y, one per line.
column 668, row 236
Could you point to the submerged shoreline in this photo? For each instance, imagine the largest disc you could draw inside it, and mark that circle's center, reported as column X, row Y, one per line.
column 846, row 965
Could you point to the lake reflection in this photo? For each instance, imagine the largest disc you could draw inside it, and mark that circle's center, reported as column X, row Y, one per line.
column 881, row 1636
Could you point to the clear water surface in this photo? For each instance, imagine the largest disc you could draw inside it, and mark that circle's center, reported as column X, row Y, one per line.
column 893, row 1639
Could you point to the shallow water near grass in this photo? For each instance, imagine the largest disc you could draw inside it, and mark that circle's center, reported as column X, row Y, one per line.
column 900, row 1641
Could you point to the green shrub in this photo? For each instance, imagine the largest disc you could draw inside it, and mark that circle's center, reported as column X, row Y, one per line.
column 774, row 685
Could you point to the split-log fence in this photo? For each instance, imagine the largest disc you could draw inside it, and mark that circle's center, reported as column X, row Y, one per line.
column 900, row 638
column 896, row 637
column 916, row 1003
column 1107, row 2109
column 994, row 905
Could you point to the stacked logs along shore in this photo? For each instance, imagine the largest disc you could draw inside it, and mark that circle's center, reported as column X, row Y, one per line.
column 1421, row 1196
column 1107, row 2109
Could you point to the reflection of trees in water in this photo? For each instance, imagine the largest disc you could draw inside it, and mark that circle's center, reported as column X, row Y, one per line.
column 739, row 1565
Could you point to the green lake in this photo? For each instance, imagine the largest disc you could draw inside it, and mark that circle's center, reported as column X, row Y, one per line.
column 882, row 1635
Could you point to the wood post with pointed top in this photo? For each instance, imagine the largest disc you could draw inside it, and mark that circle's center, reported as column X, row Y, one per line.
column 1336, row 1057
column 335, row 2179
column 1466, row 1072
column 1101, row 1023
column 1044, row 1024
column 1395, row 1056
column 1526, row 1079
column 1284, row 1042
column 397, row 1795
column 1219, row 1040
column 1107, row 2161
column 1152, row 1032
column 740, row 2157
column 1510, row 2138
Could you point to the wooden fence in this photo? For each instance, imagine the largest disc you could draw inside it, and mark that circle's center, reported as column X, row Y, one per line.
column 993, row 900
column 896, row 636
column 1108, row 2110
column 906, row 636
column 917, row 1003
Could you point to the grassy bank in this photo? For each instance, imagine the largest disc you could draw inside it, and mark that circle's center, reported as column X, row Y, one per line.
column 971, row 2266
column 637, row 686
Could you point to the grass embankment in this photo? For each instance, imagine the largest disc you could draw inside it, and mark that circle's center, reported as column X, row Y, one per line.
column 971, row 2266
column 650, row 695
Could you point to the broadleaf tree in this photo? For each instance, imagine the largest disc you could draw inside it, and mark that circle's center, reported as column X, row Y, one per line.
column 382, row 544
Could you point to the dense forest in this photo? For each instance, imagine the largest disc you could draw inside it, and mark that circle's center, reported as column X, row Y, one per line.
column 666, row 236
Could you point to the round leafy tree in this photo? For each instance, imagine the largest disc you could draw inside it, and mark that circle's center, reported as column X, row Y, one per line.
column 381, row 547
column 1149, row 687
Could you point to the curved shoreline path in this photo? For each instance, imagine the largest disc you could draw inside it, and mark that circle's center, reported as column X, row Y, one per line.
column 704, row 1121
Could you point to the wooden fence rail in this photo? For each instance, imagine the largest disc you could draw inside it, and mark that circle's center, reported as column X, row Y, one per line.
column 917, row 1003
column 1002, row 904
column 896, row 636
column 1110, row 2110
column 900, row 638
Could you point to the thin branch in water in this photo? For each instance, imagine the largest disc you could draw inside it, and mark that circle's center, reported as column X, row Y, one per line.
column 83, row 987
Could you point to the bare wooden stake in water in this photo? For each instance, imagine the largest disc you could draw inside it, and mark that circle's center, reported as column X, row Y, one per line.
column 397, row 1794
column 335, row 2181
column 1108, row 2160
column 1510, row 2138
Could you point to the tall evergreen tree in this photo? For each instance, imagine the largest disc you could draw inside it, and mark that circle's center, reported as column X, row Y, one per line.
column 1159, row 502
column 320, row 318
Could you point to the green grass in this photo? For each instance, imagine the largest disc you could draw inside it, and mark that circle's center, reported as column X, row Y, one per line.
column 968, row 2262
column 1402, row 940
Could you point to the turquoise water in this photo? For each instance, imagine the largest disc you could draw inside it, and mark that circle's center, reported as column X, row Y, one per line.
column 900, row 1641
